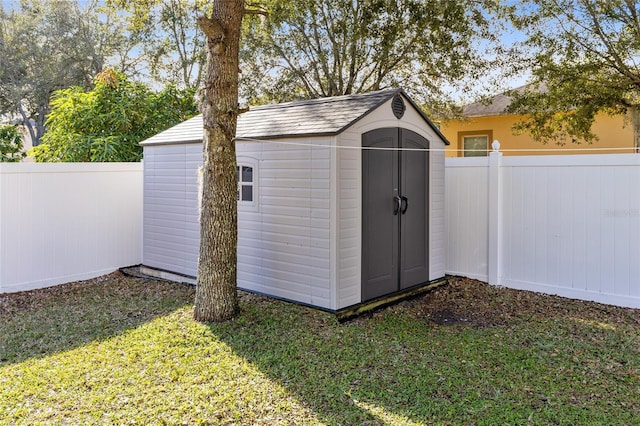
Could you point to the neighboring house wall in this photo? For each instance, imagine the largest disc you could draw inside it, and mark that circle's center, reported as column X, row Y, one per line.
column 614, row 133
column 61, row 222
column 566, row 225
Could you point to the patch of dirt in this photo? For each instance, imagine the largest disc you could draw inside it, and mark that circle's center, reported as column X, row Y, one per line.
column 447, row 317
column 100, row 288
column 468, row 301
column 34, row 299
column 462, row 301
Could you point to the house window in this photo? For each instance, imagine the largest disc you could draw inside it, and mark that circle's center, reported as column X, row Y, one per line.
column 475, row 144
column 245, row 183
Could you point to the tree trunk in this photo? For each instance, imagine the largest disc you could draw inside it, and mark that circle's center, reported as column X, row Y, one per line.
column 216, row 291
column 35, row 141
column 635, row 120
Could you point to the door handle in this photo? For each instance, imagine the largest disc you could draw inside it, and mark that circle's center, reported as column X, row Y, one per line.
column 405, row 201
column 397, row 202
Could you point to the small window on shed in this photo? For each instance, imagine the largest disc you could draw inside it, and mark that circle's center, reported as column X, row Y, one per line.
column 245, row 183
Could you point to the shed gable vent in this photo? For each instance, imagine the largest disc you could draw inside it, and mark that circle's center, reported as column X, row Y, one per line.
column 398, row 107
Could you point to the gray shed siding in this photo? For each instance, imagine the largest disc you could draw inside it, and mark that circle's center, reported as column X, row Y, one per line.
column 171, row 231
column 284, row 241
column 301, row 238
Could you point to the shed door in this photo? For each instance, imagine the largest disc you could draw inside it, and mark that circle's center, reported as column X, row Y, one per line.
column 395, row 212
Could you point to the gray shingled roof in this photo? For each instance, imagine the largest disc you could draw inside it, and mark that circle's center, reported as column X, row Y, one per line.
column 325, row 116
column 496, row 105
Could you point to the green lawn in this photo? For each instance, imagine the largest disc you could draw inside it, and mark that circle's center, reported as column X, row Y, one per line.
column 120, row 350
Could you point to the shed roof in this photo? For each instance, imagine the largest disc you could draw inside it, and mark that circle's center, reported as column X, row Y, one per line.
column 315, row 117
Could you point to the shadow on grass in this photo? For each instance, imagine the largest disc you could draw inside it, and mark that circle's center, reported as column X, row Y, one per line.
column 542, row 366
column 396, row 367
column 372, row 371
column 47, row 321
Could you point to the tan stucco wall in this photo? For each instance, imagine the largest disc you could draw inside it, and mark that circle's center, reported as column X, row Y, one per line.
column 613, row 132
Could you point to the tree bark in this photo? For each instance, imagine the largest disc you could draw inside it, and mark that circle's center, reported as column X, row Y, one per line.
column 27, row 124
column 635, row 120
column 216, row 291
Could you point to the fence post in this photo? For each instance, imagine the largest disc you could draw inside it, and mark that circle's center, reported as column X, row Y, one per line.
column 495, row 215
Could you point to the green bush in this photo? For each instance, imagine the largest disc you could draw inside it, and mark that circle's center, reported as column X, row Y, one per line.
column 10, row 145
column 107, row 123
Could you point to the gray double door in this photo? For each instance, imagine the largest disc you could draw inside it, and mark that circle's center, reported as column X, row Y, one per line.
column 395, row 203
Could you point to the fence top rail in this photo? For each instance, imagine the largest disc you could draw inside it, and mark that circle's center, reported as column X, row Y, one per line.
column 467, row 161
column 19, row 168
column 576, row 160
column 572, row 160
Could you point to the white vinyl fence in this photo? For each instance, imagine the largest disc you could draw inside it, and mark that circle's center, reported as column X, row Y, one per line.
column 61, row 222
column 566, row 225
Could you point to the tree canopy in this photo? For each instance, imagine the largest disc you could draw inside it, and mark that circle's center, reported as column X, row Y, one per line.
column 46, row 46
column 50, row 45
column 584, row 56
column 310, row 48
column 108, row 122
column 171, row 46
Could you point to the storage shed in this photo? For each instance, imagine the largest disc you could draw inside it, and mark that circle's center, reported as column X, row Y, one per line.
column 340, row 200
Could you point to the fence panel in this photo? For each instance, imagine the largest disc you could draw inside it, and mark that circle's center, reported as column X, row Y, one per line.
column 61, row 222
column 569, row 225
column 466, row 212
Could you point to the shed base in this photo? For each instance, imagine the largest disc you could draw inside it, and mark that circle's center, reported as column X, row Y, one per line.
column 167, row 275
column 350, row 312
column 343, row 314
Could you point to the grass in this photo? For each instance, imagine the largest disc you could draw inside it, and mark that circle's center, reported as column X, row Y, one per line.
column 121, row 350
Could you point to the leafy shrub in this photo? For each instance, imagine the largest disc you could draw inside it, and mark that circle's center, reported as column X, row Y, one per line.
column 107, row 123
column 10, row 145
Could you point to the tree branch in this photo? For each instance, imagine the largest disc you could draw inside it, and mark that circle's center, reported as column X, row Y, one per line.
column 262, row 12
column 215, row 33
column 212, row 28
